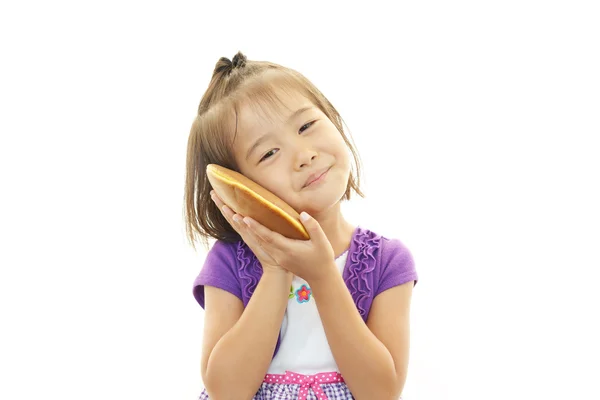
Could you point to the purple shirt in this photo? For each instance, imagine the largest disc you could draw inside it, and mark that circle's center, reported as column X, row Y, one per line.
column 374, row 264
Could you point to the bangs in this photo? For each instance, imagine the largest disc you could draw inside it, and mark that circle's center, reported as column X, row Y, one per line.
column 265, row 96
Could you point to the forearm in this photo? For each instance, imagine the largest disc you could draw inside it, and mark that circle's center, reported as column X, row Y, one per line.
column 239, row 361
column 364, row 362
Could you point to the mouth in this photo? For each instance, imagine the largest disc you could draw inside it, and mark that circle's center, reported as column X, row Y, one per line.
column 316, row 177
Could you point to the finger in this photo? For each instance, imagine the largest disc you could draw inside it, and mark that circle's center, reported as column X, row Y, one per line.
column 231, row 217
column 313, row 227
column 234, row 219
column 250, row 238
column 227, row 212
column 216, row 199
column 259, row 247
column 264, row 234
column 237, row 223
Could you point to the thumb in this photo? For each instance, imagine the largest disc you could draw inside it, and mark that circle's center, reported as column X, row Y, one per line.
column 311, row 224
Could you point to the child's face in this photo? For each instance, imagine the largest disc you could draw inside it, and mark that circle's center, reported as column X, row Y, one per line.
column 292, row 145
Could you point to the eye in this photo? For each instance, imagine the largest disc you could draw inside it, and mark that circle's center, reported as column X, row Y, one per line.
column 271, row 152
column 306, row 126
column 265, row 156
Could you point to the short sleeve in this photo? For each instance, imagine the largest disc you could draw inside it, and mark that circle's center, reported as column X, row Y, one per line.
column 219, row 270
column 397, row 266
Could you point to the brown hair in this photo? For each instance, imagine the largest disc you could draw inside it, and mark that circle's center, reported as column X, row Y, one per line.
column 214, row 128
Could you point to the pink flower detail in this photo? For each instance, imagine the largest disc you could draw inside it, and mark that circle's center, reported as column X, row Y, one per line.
column 303, row 294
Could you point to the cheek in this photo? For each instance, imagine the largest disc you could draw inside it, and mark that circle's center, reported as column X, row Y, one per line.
column 277, row 186
column 344, row 156
column 346, row 167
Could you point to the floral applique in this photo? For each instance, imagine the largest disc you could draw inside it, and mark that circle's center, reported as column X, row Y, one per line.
column 303, row 294
column 291, row 295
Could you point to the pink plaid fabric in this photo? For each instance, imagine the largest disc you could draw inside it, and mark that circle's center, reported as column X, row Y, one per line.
column 293, row 386
column 306, row 382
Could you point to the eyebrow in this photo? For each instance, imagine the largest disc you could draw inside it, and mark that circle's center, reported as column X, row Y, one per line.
column 264, row 137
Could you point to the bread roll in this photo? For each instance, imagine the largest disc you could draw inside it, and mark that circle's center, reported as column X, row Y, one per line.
column 248, row 198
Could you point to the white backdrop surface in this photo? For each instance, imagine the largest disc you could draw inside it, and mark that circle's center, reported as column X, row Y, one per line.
column 477, row 124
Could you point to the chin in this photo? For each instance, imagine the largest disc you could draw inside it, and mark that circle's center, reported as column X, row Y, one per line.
column 322, row 202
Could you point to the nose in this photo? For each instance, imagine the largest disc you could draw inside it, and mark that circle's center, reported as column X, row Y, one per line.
column 305, row 153
column 305, row 158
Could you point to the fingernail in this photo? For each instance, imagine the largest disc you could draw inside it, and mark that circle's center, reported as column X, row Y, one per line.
column 236, row 218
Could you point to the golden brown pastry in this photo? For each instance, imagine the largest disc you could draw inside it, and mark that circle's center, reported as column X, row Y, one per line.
column 248, row 198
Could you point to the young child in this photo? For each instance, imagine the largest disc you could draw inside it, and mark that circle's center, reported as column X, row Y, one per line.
column 325, row 318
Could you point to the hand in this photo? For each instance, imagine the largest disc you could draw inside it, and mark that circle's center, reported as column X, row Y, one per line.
column 311, row 259
column 267, row 262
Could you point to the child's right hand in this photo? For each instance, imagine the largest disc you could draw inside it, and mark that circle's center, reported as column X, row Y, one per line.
column 267, row 262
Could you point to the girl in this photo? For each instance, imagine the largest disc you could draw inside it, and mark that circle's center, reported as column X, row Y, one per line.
column 325, row 318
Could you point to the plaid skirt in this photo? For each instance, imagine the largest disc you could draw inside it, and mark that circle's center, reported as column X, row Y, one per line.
column 292, row 386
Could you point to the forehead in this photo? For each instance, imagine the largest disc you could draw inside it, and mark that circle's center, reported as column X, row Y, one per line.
column 266, row 109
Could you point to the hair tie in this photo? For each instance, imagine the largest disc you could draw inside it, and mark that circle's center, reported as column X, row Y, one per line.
column 239, row 60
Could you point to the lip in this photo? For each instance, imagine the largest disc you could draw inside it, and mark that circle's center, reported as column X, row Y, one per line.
column 316, row 176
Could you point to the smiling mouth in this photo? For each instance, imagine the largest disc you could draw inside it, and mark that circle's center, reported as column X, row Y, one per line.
column 318, row 177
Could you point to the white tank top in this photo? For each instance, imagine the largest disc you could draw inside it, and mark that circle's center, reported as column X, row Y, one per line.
column 303, row 348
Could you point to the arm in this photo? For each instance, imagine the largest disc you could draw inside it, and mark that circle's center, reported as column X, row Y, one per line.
column 238, row 343
column 372, row 357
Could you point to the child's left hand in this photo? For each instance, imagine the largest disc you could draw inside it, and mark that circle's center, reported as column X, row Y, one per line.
column 309, row 259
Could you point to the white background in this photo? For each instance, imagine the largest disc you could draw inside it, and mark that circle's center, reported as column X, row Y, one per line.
column 477, row 123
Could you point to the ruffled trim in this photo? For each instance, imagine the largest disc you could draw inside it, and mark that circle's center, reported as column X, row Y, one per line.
column 358, row 274
column 360, row 268
column 249, row 270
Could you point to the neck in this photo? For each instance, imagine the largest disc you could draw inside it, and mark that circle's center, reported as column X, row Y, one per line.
column 336, row 228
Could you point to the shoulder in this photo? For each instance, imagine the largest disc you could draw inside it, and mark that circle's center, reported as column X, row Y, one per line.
column 394, row 250
column 385, row 248
column 219, row 270
column 221, row 255
column 393, row 261
column 397, row 265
